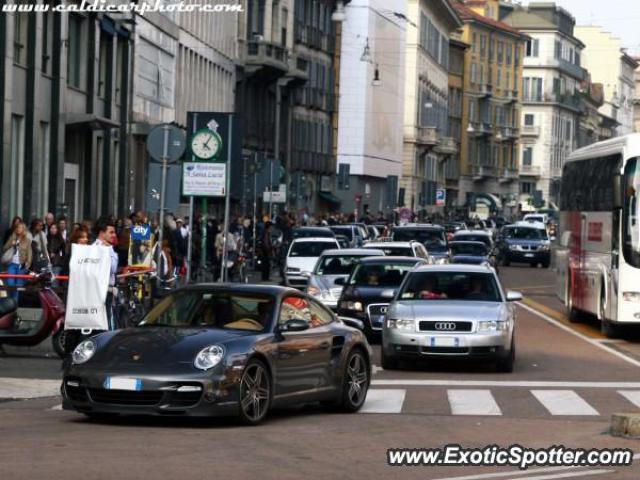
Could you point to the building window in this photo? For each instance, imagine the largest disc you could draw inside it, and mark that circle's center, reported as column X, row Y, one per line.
column 43, row 167
column 104, row 64
column 17, row 165
column 557, row 53
column 74, row 46
column 532, row 89
column 527, row 156
column 283, row 29
column 472, row 110
column 500, row 51
column 533, row 47
column 20, row 37
column 529, row 119
column 483, row 45
column 474, row 73
column 474, row 42
column 527, row 187
column 47, row 41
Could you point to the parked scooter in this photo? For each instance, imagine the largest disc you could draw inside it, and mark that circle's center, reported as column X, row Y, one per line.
column 16, row 331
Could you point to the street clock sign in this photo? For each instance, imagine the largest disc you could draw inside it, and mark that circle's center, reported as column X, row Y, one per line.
column 206, row 144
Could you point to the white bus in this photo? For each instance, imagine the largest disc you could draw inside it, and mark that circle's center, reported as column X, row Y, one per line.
column 597, row 255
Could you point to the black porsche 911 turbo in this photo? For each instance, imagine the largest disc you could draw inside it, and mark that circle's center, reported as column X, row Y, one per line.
column 212, row 349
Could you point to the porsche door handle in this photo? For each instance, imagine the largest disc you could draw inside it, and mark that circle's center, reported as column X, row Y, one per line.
column 325, row 345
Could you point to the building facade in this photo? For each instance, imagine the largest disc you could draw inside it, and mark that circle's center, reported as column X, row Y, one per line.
column 491, row 112
column 286, row 99
column 636, row 99
column 371, row 103
column 182, row 62
column 427, row 142
column 551, row 98
column 610, row 65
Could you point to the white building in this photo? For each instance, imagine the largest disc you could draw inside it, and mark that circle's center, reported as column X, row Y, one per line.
column 426, row 111
column 371, row 104
column 610, row 65
column 551, row 97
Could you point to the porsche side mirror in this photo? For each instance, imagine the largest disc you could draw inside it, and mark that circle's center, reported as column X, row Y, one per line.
column 353, row 322
column 295, row 325
column 389, row 293
column 514, row 297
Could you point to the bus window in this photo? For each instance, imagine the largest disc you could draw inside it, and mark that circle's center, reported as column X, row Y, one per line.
column 631, row 214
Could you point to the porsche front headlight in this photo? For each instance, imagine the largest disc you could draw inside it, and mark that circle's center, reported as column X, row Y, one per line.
column 83, row 352
column 209, row 357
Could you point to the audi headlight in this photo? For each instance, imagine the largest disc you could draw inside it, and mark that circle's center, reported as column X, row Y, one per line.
column 83, row 352
column 209, row 357
column 401, row 324
column 492, row 326
column 356, row 306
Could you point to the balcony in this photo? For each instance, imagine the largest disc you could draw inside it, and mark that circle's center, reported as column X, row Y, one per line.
column 482, row 172
column 530, row 131
column 509, row 133
column 511, row 96
column 508, row 175
column 447, row 146
column 482, row 128
column 266, row 57
column 299, row 68
column 484, row 90
column 427, row 136
column 531, row 170
column 569, row 68
column 569, row 100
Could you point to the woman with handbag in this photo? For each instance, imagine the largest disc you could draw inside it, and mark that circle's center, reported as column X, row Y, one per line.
column 40, row 247
column 17, row 255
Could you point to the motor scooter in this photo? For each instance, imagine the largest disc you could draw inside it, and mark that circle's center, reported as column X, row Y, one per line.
column 15, row 330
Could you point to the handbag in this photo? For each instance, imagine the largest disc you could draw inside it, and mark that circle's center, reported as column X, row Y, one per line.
column 7, row 256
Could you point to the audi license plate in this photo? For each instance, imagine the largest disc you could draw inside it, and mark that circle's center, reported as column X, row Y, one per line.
column 444, row 342
column 119, row 383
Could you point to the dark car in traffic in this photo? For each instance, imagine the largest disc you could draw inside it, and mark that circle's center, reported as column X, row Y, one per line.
column 216, row 349
column 370, row 287
column 471, row 253
column 433, row 237
column 525, row 242
column 310, row 232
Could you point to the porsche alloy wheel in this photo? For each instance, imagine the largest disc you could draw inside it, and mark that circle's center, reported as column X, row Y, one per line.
column 356, row 382
column 255, row 393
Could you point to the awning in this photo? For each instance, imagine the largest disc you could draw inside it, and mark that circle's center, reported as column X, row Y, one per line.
column 490, row 200
column 89, row 120
column 329, row 198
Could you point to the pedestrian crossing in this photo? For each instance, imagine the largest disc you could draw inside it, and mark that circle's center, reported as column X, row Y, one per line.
column 507, row 402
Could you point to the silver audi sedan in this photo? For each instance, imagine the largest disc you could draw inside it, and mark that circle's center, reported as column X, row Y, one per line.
column 451, row 310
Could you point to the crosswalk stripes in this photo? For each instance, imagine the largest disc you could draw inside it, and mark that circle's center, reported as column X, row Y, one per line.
column 632, row 395
column 473, row 402
column 564, row 402
column 384, row 401
column 481, row 402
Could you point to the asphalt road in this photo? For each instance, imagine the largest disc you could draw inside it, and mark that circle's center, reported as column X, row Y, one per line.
column 567, row 382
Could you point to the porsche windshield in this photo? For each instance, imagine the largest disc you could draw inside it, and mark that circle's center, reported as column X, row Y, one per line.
column 194, row 309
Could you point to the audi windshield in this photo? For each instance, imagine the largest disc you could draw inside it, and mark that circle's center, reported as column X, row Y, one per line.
column 458, row 286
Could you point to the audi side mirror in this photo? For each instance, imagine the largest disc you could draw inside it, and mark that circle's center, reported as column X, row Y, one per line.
column 514, row 297
column 389, row 293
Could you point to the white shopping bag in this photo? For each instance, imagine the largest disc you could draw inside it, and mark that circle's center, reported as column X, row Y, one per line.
column 89, row 271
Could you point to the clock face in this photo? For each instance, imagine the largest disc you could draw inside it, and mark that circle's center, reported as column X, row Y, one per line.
column 205, row 144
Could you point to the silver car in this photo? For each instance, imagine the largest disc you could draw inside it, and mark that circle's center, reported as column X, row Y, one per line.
column 332, row 271
column 451, row 310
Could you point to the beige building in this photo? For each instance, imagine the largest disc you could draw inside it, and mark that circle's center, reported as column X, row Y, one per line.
column 427, row 144
column 608, row 64
column 636, row 99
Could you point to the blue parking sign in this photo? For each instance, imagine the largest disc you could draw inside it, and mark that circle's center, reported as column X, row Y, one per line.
column 441, row 197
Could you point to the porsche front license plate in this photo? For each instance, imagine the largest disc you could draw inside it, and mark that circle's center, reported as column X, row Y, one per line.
column 444, row 342
column 118, row 383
